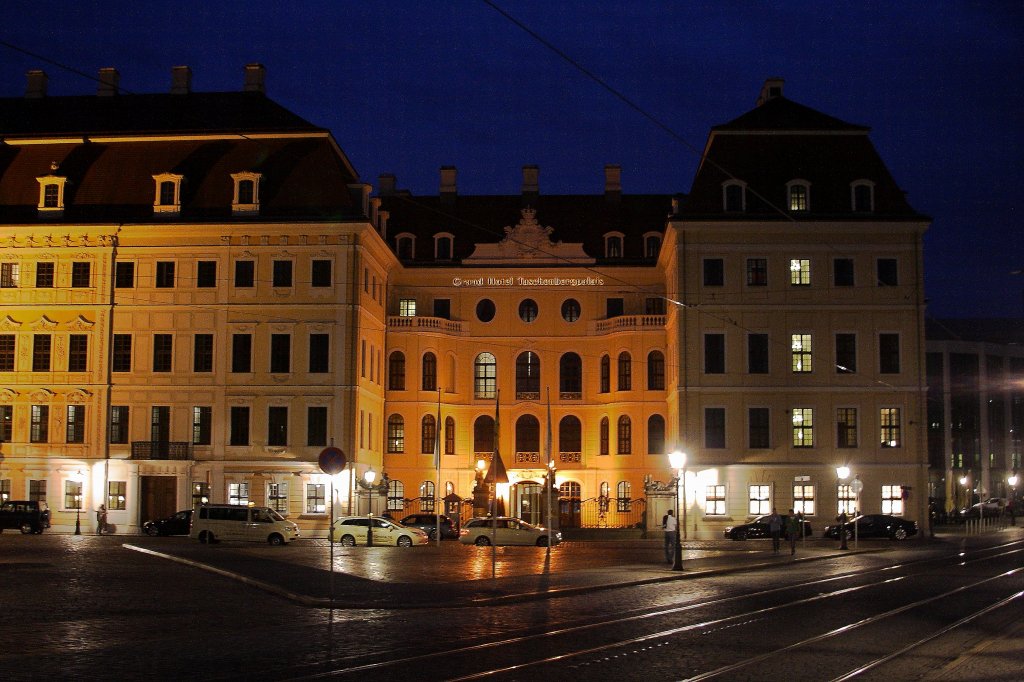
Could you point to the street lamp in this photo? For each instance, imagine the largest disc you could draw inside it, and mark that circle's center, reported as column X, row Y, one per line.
column 843, row 473
column 1012, row 481
column 963, row 485
column 677, row 460
column 367, row 483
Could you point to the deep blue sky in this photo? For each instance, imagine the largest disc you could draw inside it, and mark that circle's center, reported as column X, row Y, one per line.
column 409, row 86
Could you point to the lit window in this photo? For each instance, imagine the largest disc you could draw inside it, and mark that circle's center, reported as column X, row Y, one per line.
column 799, row 199
column 9, row 275
column 238, row 494
column 316, row 499
column 799, row 271
column 247, row 193
column 277, row 497
column 407, row 307
column 117, row 495
column 889, row 421
column 623, row 492
column 714, row 504
column 892, row 499
column 485, row 376
column 803, row 498
column 396, row 433
column 801, row 349
column 803, row 427
column 759, row 499
column 73, row 498
column 847, row 501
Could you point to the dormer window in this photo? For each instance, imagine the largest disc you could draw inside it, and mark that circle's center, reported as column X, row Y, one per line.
column 734, row 196
column 51, row 194
column 799, row 192
column 168, row 193
column 443, row 246
column 652, row 245
column 405, row 246
column 247, row 193
column 862, row 196
column 613, row 245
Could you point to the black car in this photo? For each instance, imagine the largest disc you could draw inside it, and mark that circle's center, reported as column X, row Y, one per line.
column 875, row 526
column 428, row 524
column 177, row 524
column 758, row 528
column 28, row 516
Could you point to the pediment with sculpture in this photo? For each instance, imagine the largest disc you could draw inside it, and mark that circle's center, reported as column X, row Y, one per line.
column 529, row 241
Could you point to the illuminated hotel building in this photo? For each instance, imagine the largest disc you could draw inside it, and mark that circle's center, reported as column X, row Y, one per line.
column 199, row 295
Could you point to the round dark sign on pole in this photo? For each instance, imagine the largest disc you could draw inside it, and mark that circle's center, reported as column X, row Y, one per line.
column 332, row 460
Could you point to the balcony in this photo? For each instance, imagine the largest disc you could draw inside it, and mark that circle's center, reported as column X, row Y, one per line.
column 629, row 323
column 161, row 449
column 433, row 324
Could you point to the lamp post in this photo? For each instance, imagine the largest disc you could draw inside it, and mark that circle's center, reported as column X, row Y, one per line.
column 963, row 485
column 367, row 483
column 677, row 460
column 1012, row 481
column 842, row 473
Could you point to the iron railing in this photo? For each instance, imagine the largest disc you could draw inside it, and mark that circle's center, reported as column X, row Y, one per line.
column 161, row 449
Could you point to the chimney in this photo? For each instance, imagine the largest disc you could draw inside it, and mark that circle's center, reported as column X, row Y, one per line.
column 771, row 89
column 36, row 86
column 386, row 184
column 531, row 188
column 181, row 80
column 612, row 183
column 109, row 78
column 448, row 187
column 254, row 76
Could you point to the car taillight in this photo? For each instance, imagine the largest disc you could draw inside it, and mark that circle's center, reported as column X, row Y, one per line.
column 463, row 531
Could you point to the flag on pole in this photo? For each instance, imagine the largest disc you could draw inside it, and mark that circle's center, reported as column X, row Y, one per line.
column 549, row 428
column 496, row 473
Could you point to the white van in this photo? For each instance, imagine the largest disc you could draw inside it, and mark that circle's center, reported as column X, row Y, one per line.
column 215, row 522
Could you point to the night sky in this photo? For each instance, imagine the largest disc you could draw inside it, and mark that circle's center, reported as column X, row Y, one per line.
column 407, row 87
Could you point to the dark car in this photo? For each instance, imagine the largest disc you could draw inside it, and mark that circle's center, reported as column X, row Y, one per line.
column 875, row 526
column 758, row 528
column 177, row 524
column 28, row 516
column 428, row 524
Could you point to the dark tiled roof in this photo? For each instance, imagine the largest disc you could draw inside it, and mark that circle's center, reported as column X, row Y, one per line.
column 481, row 219
column 1007, row 330
column 780, row 113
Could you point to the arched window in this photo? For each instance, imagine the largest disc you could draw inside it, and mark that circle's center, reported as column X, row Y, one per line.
column 396, row 496
column 528, row 376
column 449, row 436
column 570, row 490
column 862, row 196
column 485, row 376
column 655, row 371
column 570, row 374
column 396, row 433
column 655, row 434
column 449, row 488
column 428, row 434
column 623, row 496
column 404, row 245
column 799, row 195
column 570, row 437
column 606, row 374
column 652, row 246
column 734, row 197
column 483, row 434
column 604, row 436
column 427, row 496
column 396, row 371
column 625, row 436
column 429, row 372
column 625, row 372
column 527, row 434
column 613, row 245
column 443, row 247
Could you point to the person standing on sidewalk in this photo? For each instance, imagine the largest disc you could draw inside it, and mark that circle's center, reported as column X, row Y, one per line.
column 101, row 519
column 775, row 528
column 793, row 527
column 669, row 524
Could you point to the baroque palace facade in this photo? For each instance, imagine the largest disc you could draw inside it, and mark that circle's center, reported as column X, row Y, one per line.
column 199, row 295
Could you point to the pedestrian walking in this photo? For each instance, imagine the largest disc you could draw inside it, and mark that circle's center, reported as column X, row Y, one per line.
column 669, row 524
column 101, row 519
column 793, row 528
column 775, row 528
column 1011, row 509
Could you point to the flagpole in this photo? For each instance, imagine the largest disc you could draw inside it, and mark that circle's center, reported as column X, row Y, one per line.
column 550, row 476
column 493, row 475
column 437, row 466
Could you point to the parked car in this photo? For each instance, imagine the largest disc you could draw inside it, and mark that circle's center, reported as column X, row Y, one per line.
column 875, row 526
column 352, row 530
column 428, row 524
column 178, row 523
column 993, row 506
column 216, row 522
column 28, row 516
column 758, row 528
column 509, row 531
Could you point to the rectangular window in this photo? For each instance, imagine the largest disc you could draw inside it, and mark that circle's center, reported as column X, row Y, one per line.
column 44, row 275
column 41, row 344
column 206, row 274
column 164, row 274
column 124, row 275
column 319, row 352
column 5, row 489
column 715, row 496
column 202, row 422
column 241, row 353
column 320, row 273
column 282, row 273
column 37, row 490
column 714, row 353
column 118, row 423
column 280, row 353
column 245, row 274
column 316, row 498
column 443, row 308
column 277, row 425
column 7, row 352
column 75, row 427
column 78, row 352
column 846, row 427
column 238, row 494
column 277, row 497
column 654, row 305
column 122, row 361
column 757, row 353
column 200, row 493
column 758, row 428
column 614, row 307
column 407, row 307
column 239, row 426
column 757, row 272
column 803, row 427
column 202, row 353
column 803, row 498
column 801, row 349
column 80, row 275
column 798, row 198
column 316, row 425
column 888, row 272
column 117, row 495
column 162, row 352
column 892, row 499
column 759, row 500
column 9, row 275
column 846, row 353
column 714, row 427
column 800, row 272
column 889, row 420
column 73, row 495
column 714, row 272
column 889, row 353
column 842, row 272
column 6, row 423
